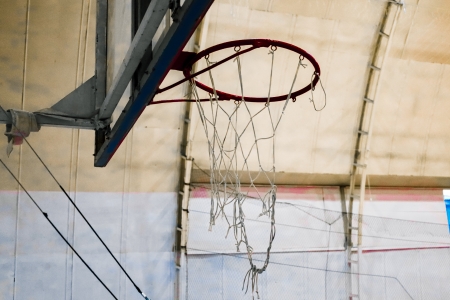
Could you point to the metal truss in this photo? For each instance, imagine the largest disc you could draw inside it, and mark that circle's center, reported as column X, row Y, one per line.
column 364, row 134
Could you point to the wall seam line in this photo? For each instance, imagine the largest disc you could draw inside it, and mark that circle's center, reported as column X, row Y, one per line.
column 24, row 73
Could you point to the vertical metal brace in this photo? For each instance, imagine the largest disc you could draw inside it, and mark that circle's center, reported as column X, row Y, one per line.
column 185, row 171
column 362, row 150
column 101, row 52
column 348, row 239
column 366, row 147
column 101, row 31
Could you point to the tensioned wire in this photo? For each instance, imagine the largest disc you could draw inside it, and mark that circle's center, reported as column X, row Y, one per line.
column 75, row 206
column 225, row 164
column 54, row 227
column 312, row 268
column 390, row 225
column 393, row 228
column 331, row 216
column 374, row 236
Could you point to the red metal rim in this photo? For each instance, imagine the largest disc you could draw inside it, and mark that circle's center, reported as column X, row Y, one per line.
column 255, row 43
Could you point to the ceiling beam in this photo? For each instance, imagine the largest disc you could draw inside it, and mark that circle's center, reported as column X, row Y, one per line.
column 199, row 176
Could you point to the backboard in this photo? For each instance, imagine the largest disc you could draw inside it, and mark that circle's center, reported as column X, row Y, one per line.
column 142, row 41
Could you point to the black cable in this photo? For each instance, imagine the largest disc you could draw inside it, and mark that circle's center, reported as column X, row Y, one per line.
column 76, row 207
column 60, row 234
column 109, row 251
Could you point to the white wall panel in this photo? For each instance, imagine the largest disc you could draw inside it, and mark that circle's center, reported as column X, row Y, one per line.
column 8, row 217
column 44, row 268
column 411, row 274
column 7, row 276
column 41, row 275
column 405, row 252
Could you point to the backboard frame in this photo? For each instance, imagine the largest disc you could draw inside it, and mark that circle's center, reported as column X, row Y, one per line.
column 185, row 20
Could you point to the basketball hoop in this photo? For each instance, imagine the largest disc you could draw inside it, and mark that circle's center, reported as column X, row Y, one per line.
column 229, row 129
column 186, row 60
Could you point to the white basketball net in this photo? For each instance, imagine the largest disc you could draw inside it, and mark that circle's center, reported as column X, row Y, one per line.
column 229, row 160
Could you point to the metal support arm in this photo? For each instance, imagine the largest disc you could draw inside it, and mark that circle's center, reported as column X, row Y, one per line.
column 60, row 121
column 76, row 110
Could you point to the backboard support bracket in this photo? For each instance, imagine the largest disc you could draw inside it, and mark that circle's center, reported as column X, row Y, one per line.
column 189, row 16
column 90, row 106
column 76, row 110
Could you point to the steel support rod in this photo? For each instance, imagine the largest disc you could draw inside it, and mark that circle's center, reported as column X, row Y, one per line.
column 101, row 52
column 365, row 129
column 186, row 169
column 57, row 121
column 366, row 149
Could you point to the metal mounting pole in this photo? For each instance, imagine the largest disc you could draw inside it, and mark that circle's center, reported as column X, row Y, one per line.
column 101, row 32
column 185, row 172
column 101, row 52
column 364, row 136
